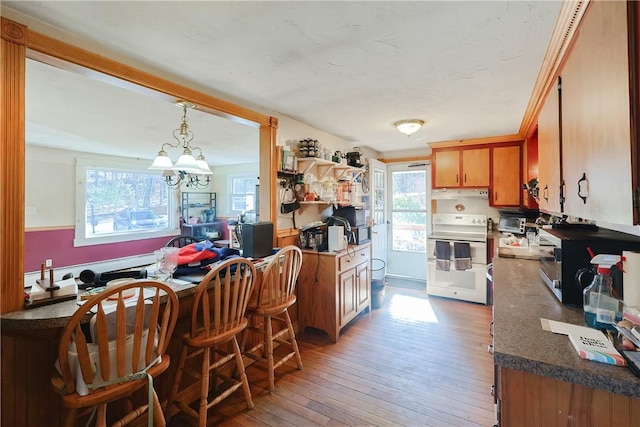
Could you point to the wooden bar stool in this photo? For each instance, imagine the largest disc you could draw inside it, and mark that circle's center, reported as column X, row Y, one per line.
column 129, row 337
column 217, row 317
column 271, row 300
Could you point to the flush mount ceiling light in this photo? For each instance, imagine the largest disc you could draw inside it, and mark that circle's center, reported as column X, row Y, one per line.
column 409, row 127
column 188, row 168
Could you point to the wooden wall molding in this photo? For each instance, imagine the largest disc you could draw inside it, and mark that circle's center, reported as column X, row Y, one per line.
column 12, row 159
column 426, row 158
column 14, row 32
column 566, row 27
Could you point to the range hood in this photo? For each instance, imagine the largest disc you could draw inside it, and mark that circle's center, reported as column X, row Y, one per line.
column 460, row 193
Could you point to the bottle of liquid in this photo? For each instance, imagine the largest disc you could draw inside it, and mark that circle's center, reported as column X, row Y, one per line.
column 489, row 224
column 601, row 307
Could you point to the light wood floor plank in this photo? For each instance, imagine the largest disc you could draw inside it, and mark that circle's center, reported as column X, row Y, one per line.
column 417, row 361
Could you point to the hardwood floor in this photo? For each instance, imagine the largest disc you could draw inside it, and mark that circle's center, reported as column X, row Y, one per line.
column 416, row 361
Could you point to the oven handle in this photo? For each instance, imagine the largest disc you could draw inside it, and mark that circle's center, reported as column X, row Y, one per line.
column 490, row 271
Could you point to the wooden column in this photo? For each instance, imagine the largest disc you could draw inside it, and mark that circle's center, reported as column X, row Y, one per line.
column 268, row 171
column 12, row 78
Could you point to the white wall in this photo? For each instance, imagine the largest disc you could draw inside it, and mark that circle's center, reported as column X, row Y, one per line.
column 49, row 187
column 220, row 184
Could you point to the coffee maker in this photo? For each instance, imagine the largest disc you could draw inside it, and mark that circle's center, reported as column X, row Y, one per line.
column 314, row 236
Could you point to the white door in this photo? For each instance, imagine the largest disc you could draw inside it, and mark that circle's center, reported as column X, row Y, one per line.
column 379, row 225
column 409, row 204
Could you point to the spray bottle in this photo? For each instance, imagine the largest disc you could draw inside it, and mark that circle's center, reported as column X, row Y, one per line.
column 601, row 307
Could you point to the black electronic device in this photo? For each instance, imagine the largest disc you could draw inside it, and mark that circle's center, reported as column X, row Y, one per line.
column 257, row 239
column 633, row 360
column 560, row 263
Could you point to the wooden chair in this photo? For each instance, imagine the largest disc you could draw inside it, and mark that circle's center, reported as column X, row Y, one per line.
column 217, row 317
column 125, row 352
column 180, row 241
column 271, row 301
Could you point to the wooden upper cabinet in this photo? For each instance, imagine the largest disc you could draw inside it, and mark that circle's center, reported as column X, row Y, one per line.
column 505, row 176
column 461, row 168
column 475, row 167
column 596, row 127
column 549, row 179
column 446, row 168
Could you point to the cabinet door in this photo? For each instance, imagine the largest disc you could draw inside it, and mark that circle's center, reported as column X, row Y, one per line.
column 348, row 306
column 505, row 176
column 363, row 286
column 596, row 136
column 549, row 179
column 446, row 171
column 475, row 167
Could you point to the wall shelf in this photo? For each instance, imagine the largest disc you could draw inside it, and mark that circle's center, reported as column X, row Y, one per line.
column 325, row 167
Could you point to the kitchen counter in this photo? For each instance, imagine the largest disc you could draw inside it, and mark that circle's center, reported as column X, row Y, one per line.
column 57, row 315
column 520, row 300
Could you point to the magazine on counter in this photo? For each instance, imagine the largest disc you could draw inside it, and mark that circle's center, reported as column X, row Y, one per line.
column 591, row 344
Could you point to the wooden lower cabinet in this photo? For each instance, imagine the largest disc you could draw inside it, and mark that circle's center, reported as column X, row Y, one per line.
column 526, row 399
column 333, row 288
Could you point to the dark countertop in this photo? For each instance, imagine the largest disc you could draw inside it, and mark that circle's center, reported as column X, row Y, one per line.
column 57, row 315
column 520, row 299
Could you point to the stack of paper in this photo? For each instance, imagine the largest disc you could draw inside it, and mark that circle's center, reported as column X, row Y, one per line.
column 67, row 287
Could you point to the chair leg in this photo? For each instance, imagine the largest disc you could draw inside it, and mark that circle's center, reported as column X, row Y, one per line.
column 242, row 375
column 173, row 396
column 204, row 389
column 101, row 415
column 292, row 337
column 268, row 341
column 158, row 415
column 70, row 417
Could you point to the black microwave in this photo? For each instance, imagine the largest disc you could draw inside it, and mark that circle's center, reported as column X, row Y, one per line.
column 360, row 234
column 560, row 263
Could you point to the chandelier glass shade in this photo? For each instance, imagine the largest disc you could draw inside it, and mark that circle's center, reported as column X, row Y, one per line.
column 187, row 169
column 409, row 126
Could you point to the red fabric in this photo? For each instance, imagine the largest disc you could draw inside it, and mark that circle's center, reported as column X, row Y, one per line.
column 189, row 255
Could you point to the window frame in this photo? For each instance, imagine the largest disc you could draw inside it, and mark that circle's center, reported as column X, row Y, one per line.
column 123, row 165
column 230, row 181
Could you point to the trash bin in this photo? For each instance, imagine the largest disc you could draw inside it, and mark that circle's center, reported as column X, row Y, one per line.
column 378, row 283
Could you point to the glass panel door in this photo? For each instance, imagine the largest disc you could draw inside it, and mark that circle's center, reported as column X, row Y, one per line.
column 409, row 206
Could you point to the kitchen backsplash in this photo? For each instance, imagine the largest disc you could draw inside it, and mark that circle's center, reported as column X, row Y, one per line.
column 468, row 206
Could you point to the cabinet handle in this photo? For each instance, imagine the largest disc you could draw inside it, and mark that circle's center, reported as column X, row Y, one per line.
column 495, row 196
column 465, row 177
column 545, row 193
column 584, row 181
column 457, row 178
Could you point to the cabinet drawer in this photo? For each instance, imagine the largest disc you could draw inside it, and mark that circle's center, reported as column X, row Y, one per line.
column 348, row 260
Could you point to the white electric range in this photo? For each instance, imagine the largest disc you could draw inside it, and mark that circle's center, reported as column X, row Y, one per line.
column 466, row 237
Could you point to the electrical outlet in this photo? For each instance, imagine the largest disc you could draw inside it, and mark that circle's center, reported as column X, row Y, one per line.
column 48, row 263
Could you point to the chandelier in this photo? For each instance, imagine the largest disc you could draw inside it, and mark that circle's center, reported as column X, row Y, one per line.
column 188, row 170
column 409, row 127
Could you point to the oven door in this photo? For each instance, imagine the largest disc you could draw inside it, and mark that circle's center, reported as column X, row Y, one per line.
column 466, row 285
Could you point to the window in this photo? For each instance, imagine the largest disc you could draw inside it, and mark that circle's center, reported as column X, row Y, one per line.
column 242, row 191
column 409, row 211
column 120, row 202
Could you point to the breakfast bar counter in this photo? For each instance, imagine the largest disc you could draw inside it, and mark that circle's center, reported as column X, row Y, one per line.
column 57, row 315
column 538, row 371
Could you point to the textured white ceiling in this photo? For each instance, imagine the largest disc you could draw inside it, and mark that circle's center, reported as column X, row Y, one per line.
column 349, row 68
